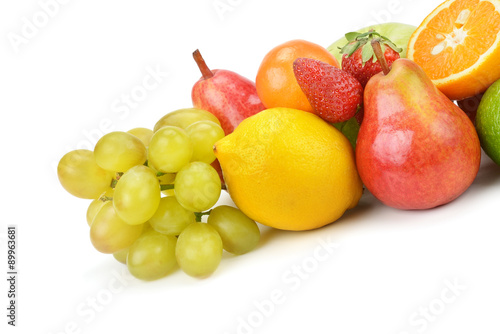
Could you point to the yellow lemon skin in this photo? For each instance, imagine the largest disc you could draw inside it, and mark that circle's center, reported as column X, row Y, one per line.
column 289, row 169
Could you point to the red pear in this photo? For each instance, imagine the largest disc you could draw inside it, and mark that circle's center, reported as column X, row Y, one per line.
column 226, row 94
column 416, row 149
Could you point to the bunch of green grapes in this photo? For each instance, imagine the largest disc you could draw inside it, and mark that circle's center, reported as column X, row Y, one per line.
column 150, row 190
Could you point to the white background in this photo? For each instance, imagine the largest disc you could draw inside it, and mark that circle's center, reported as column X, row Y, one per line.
column 389, row 271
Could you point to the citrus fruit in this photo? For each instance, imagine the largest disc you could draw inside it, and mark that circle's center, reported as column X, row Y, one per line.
column 289, row 169
column 398, row 33
column 275, row 82
column 458, row 46
column 488, row 122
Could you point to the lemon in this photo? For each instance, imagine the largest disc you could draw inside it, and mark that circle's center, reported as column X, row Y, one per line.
column 488, row 122
column 289, row 169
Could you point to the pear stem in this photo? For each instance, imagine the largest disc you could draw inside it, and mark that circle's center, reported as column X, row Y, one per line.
column 205, row 71
column 377, row 49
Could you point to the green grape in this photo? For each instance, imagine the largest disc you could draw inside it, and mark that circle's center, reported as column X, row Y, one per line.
column 170, row 149
column 109, row 233
column 204, row 134
column 97, row 204
column 163, row 178
column 143, row 134
column 80, row 175
column 137, row 195
column 171, row 217
column 167, row 178
column 147, row 228
column 239, row 233
column 152, row 256
column 168, row 192
column 94, row 207
column 199, row 250
column 121, row 255
column 182, row 118
column 119, row 151
column 197, row 186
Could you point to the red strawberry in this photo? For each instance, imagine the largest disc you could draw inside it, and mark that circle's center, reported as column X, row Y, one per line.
column 334, row 94
column 358, row 58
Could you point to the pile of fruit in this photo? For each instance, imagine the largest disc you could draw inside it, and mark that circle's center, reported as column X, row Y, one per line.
column 400, row 110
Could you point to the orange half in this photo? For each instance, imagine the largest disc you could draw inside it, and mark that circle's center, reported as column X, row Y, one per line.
column 458, row 46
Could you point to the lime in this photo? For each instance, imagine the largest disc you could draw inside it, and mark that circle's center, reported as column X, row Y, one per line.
column 488, row 122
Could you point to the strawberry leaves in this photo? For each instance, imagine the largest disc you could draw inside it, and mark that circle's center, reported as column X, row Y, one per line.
column 358, row 57
column 358, row 40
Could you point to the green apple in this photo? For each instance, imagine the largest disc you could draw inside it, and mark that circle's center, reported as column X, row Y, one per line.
column 488, row 122
column 398, row 33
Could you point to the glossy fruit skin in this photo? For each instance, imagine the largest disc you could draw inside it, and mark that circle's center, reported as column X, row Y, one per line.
column 80, row 175
column 171, row 218
column 197, row 186
column 152, row 256
column 203, row 135
column 239, row 233
column 143, row 134
column 289, row 169
column 199, row 250
column 184, row 117
column 415, row 148
column 275, row 80
column 227, row 95
column 137, row 195
column 170, row 149
column 109, row 233
column 96, row 205
column 488, row 122
column 119, row 151
column 334, row 94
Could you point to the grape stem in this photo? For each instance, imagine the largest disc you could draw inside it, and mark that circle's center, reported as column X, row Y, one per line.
column 114, row 181
column 166, row 186
column 199, row 215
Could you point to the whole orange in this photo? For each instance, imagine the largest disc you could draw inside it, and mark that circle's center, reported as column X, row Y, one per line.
column 276, row 83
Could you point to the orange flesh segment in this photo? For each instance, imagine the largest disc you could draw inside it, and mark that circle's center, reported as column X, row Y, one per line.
column 470, row 28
